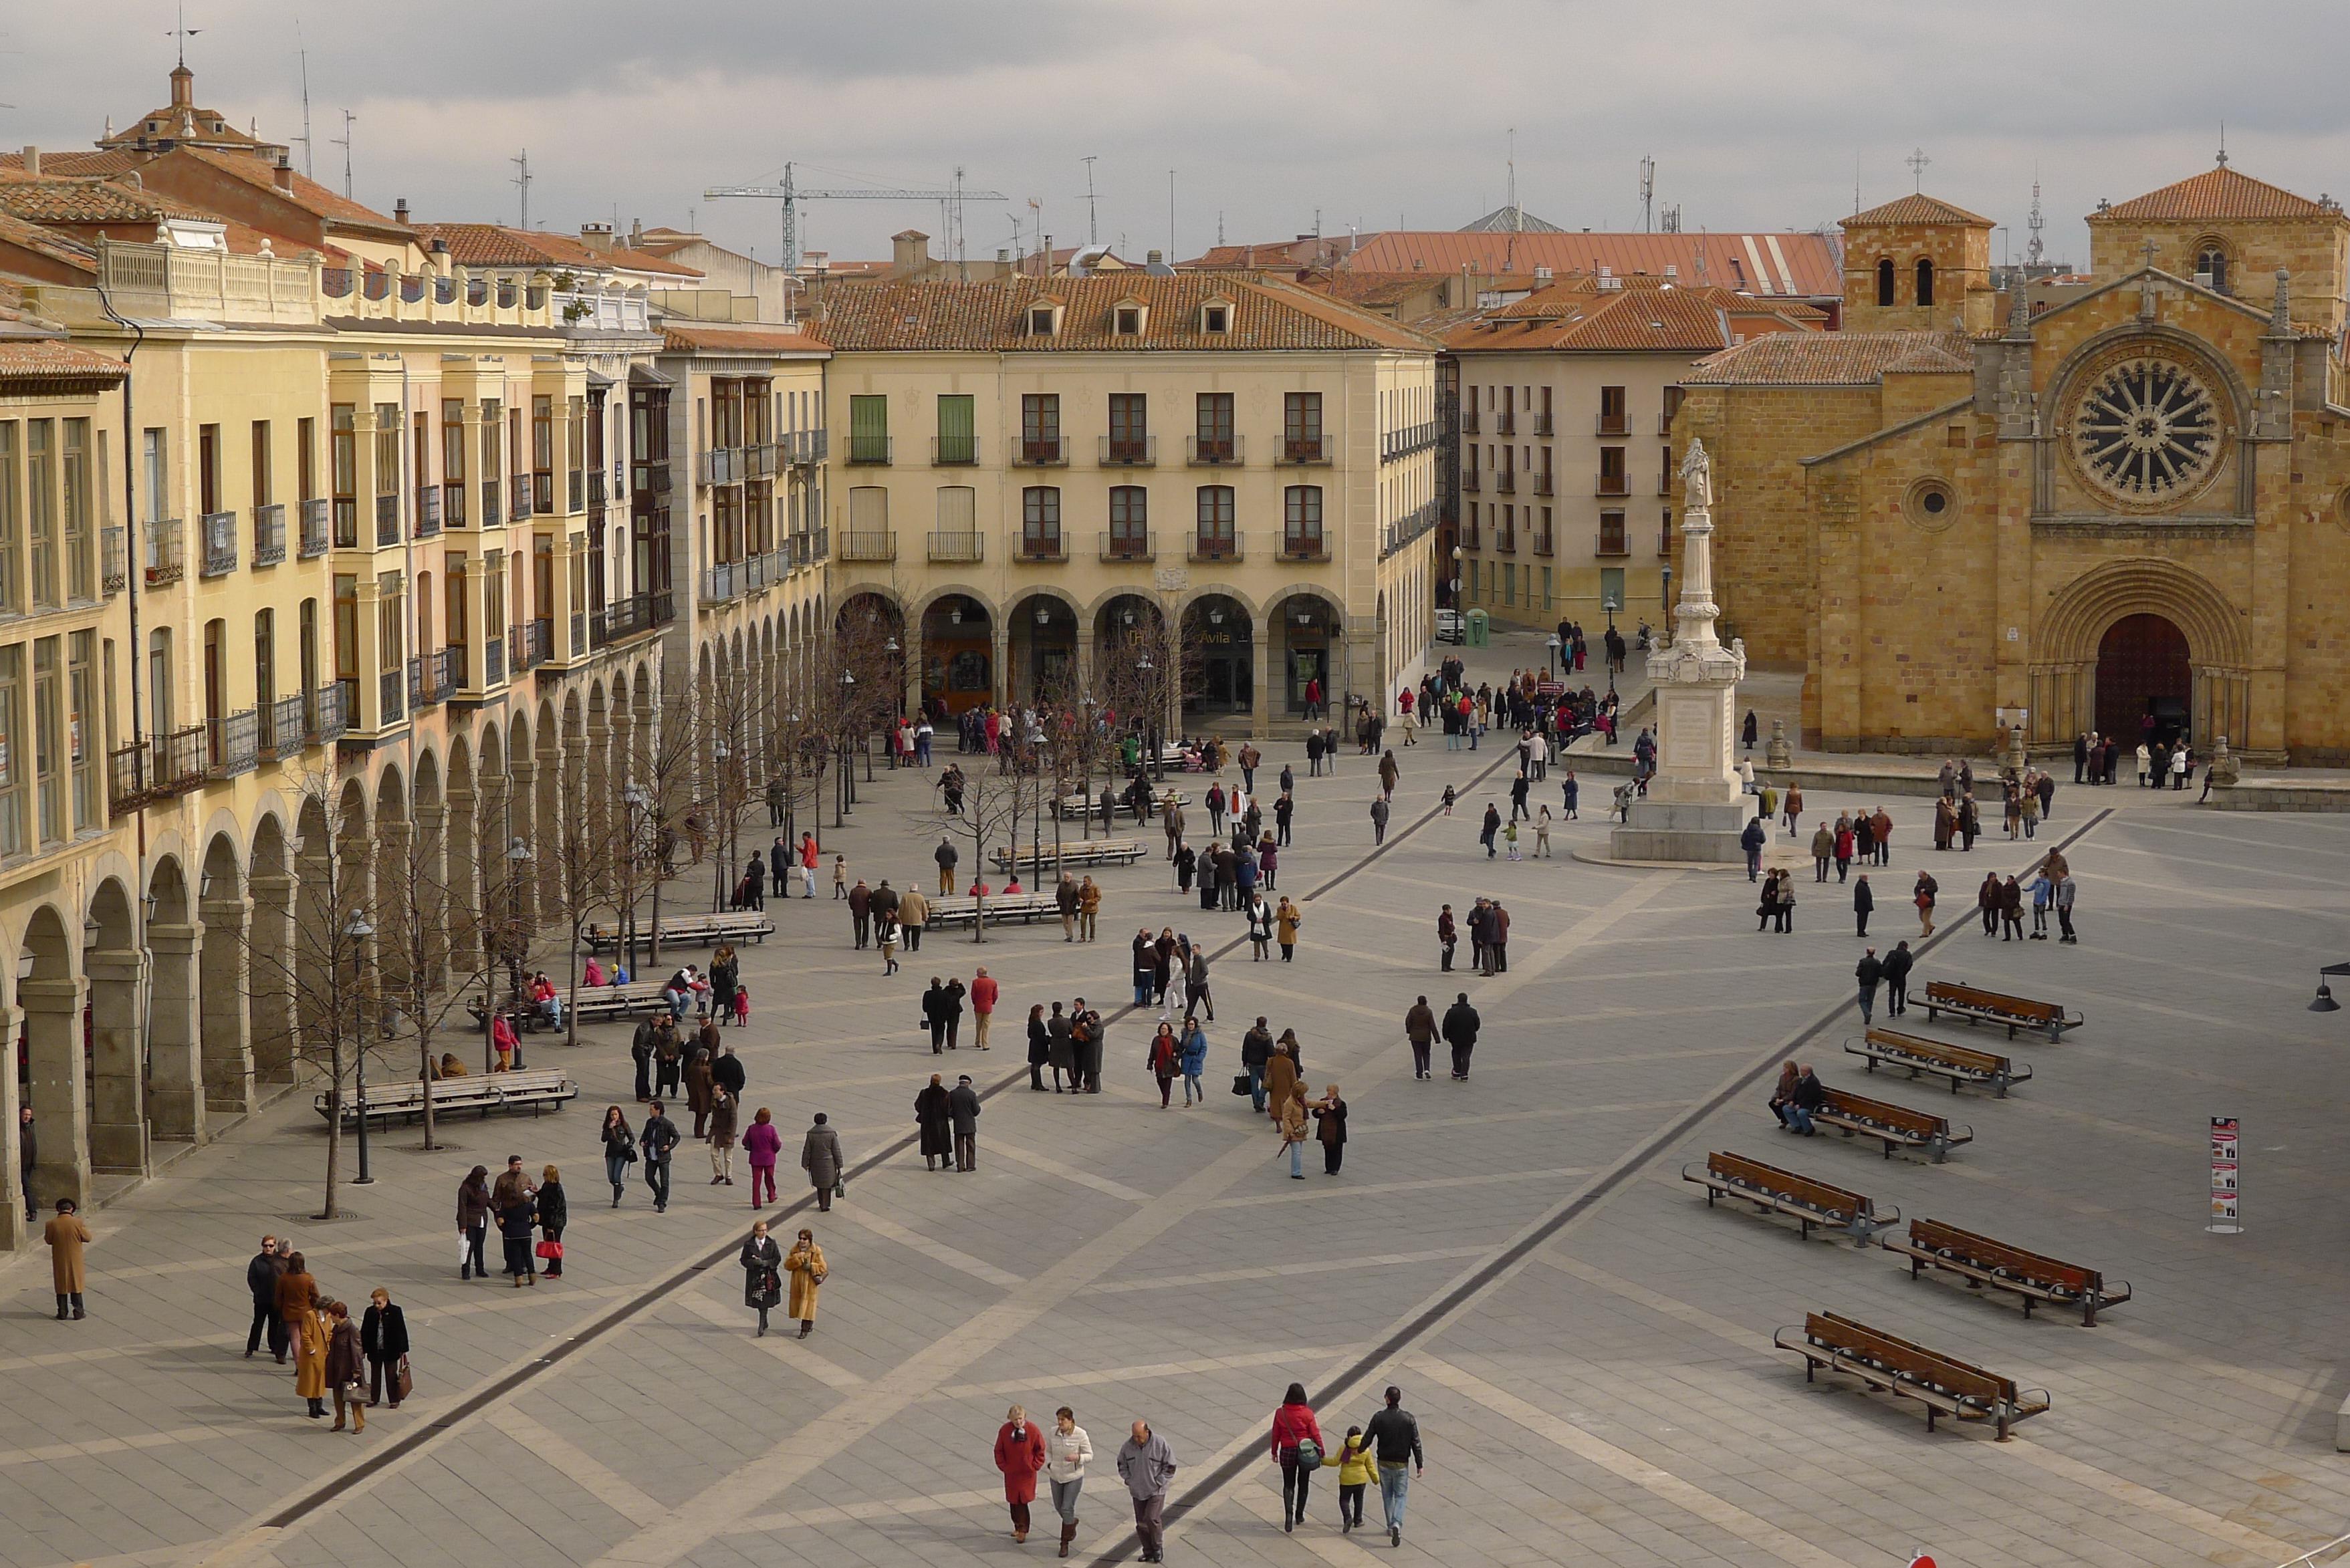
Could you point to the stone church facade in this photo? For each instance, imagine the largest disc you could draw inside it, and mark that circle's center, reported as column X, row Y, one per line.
column 2128, row 511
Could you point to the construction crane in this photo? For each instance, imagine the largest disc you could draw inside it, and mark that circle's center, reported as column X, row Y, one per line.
column 791, row 196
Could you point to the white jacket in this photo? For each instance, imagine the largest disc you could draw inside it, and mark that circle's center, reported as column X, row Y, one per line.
column 1067, row 1454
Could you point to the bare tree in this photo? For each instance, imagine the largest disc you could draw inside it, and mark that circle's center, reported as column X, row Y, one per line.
column 434, row 945
column 657, row 799
column 992, row 806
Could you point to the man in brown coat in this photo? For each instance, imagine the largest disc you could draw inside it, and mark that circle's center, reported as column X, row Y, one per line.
column 67, row 1236
column 1420, row 1027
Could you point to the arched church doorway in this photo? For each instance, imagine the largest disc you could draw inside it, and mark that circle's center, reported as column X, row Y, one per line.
column 2142, row 674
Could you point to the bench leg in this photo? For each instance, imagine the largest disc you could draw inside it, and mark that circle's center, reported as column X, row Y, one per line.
column 2027, row 1309
column 1938, row 1148
column 1872, row 1062
column 1954, row 1084
column 1802, row 1229
column 1999, row 1082
column 1931, row 1413
column 1810, row 1366
column 1916, row 1263
column 2003, row 1423
column 2089, row 1310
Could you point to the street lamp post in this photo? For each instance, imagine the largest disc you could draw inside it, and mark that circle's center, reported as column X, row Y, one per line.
column 633, row 799
column 841, row 785
column 517, row 863
column 1610, row 605
column 1552, row 653
column 719, row 755
column 2326, row 1003
column 357, row 930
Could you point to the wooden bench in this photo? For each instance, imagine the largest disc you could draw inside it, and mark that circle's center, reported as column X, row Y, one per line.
column 1974, row 1004
column 688, row 930
column 1959, row 1063
column 602, row 1003
column 1807, row 1201
column 1984, row 1261
column 962, row 909
column 1891, row 1125
column 1944, row 1385
column 485, row 1092
column 1084, row 852
column 1071, row 806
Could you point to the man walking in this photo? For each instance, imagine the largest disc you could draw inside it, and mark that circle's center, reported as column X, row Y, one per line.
column 1256, row 1050
column 1863, row 901
column 1378, row 819
column 1896, row 971
column 983, row 993
column 1147, row 1464
column 861, row 912
column 261, row 1277
column 658, row 1139
column 946, row 856
column 2063, row 902
column 1420, row 1028
column 1448, row 937
column 1393, row 1437
column 1869, row 972
column 1065, row 898
column 1460, row 1025
column 820, row 1157
column 962, row 1109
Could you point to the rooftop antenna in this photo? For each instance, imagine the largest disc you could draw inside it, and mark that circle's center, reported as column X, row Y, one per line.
column 308, row 171
column 1219, row 226
column 1510, row 262
column 1170, row 217
column 1647, row 195
column 1093, row 229
column 954, row 226
column 522, row 183
column 2223, row 144
column 2032, row 249
column 1855, row 184
column 183, row 33
column 1918, row 161
column 343, row 141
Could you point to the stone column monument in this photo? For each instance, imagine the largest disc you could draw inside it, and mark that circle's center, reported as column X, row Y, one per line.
column 1694, row 810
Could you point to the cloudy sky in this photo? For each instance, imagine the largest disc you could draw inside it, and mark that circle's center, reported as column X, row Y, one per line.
column 1377, row 112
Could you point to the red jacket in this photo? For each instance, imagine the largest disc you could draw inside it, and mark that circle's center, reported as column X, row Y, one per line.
column 1020, row 1458
column 983, row 992
column 1292, row 1424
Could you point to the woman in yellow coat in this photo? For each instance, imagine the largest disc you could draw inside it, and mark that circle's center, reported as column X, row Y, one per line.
column 806, row 1266
column 1358, row 1468
column 310, row 1337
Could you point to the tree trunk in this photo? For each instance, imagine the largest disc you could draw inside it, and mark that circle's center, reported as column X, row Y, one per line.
column 334, row 1126
column 424, row 1048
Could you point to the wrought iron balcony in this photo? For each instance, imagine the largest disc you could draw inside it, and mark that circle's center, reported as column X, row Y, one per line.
column 233, row 744
column 1040, row 451
column 1135, row 545
column 961, row 547
column 386, row 519
column 167, row 560
column 1129, row 451
column 1217, row 546
column 269, row 534
column 1215, row 452
column 314, row 541
column 867, row 544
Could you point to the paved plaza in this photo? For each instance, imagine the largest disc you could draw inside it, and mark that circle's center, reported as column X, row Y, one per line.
column 1586, row 1344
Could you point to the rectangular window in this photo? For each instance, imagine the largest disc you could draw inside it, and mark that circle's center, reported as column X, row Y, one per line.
column 305, row 458
column 1040, row 427
column 1301, row 524
column 1611, row 471
column 343, row 469
column 387, row 448
column 1040, row 520
column 208, row 469
column 1542, row 426
column 48, row 744
column 1215, row 521
column 1545, row 588
column 81, row 531
column 1614, row 419
column 1130, row 520
column 958, row 437
column 452, row 442
column 390, row 622
column 454, row 623
column 494, row 468
column 1129, row 426
column 264, row 490
column 41, row 511
column 576, row 452
column 1214, row 421
column 1611, row 587
column 1611, row 533
column 11, row 566
column 1301, row 427
column 542, row 454
column 868, row 429
column 12, row 840
column 347, row 627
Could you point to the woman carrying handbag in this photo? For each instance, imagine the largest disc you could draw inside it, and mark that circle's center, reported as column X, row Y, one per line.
column 554, row 1215
column 763, row 1264
column 807, row 1267
column 620, row 1151
column 383, row 1340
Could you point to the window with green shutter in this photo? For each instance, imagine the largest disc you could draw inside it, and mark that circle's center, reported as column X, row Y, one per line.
column 958, row 439
column 868, row 429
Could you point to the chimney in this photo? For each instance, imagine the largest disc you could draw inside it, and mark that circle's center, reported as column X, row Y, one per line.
column 1154, row 258
column 183, row 87
column 597, row 237
column 636, row 232
column 399, row 211
column 909, row 252
column 1004, row 256
column 283, row 175
column 32, row 161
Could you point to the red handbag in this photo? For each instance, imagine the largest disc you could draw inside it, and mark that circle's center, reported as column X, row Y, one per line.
column 553, row 1250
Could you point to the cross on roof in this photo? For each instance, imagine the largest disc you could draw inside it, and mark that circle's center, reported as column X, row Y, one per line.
column 1918, row 161
column 183, row 33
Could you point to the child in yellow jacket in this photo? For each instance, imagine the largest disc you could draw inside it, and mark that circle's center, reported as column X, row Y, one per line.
column 1356, row 1470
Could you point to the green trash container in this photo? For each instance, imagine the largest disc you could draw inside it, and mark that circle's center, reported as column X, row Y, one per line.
column 1481, row 630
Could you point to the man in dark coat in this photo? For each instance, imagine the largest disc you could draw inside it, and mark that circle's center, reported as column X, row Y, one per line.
column 1869, row 973
column 1256, row 1050
column 1863, row 901
column 2081, row 757
column 658, row 1139
column 754, row 883
column 1809, row 1096
column 261, row 1277
column 1460, row 1026
column 934, row 1013
column 1420, row 1028
column 861, row 912
column 931, row 1116
column 1086, row 1033
column 1896, row 979
column 962, row 1107
column 727, row 1072
column 779, row 867
column 28, row 1158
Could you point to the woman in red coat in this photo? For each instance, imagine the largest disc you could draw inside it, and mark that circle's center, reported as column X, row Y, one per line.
column 1019, row 1454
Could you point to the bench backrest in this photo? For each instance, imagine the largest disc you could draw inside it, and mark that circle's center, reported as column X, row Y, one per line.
column 1966, row 1056
column 1912, row 1361
column 2033, row 1268
column 1836, row 1202
column 1992, row 1002
column 1884, row 1114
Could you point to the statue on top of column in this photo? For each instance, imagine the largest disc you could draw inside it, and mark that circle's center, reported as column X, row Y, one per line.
column 1696, row 477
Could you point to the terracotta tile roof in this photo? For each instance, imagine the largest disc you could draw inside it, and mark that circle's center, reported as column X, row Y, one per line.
column 79, row 163
column 47, row 243
column 307, row 192
column 993, row 315
column 1916, row 208
column 1830, row 358
column 54, row 359
column 1370, row 289
column 2219, row 193
column 745, row 339
column 495, row 244
column 46, row 198
column 1579, row 316
column 1788, row 263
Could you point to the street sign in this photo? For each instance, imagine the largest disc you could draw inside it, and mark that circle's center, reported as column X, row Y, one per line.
column 2224, row 1172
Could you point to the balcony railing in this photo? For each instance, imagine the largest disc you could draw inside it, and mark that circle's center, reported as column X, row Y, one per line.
column 167, row 560
column 492, row 494
column 578, row 488
column 1540, row 483
column 1469, row 481
column 517, row 651
column 652, row 478
column 596, row 482
column 766, row 460
column 519, row 498
column 452, row 506
column 1542, row 542
column 868, row 449
column 1134, row 546
column 428, row 679
column 269, row 534
column 1044, row 547
column 1214, row 452
column 1410, row 439
column 1303, row 548
column 954, row 451
column 386, row 519
column 1042, row 452
column 720, row 465
column 283, row 728
column 178, row 762
column 819, row 547
column 392, row 693
column 868, row 544
column 1468, row 423
column 1505, row 424
column 1304, row 450
column 723, row 581
column 1129, row 451
column 539, row 636
column 217, row 532
column 1609, row 484
column 1417, row 523
column 1505, row 540
column 806, row 447
column 313, row 540
column 428, row 511
column 337, row 711
column 578, row 633
column 957, row 546
column 1505, row 482
column 493, row 663
column 1611, row 424
column 1612, row 543
column 1544, row 426
column 232, row 745
column 1216, row 547
column 664, row 607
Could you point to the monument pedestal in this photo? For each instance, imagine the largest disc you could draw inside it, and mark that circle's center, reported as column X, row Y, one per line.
column 1677, row 830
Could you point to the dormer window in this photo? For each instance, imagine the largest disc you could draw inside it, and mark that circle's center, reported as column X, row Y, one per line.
column 1041, row 320
column 1129, row 320
column 1216, row 316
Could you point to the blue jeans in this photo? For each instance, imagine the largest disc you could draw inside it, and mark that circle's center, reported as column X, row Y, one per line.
column 656, row 1181
column 1868, row 1002
column 1796, row 1118
column 1192, row 1090
column 1256, row 1087
column 1297, row 1159
column 1393, row 1482
column 1142, row 990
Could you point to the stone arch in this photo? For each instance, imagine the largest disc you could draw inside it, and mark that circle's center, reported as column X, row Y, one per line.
column 269, row 951
column 223, row 1030
column 1044, row 656
column 2066, row 642
column 547, row 816
column 54, row 1073
column 175, row 1100
column 428, row 822
column 461, row 854
column 1313, row 651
